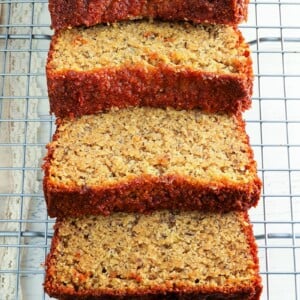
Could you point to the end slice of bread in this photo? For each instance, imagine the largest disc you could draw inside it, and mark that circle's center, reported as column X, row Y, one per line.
column 66, row 14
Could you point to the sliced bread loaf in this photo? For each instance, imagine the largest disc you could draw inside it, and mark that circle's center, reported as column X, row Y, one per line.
column 143, row 63
column 141, row 159
column 163, row 255
column 66, row 14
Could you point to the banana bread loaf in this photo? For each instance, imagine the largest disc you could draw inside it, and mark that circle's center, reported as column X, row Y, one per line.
column 141, row 159
column 72, row 13
column 143, row 63
column 163, row 255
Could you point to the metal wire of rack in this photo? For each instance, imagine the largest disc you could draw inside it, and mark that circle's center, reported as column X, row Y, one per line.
column 273, row 124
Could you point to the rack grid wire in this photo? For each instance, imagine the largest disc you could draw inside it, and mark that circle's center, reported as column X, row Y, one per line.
column 273, row 124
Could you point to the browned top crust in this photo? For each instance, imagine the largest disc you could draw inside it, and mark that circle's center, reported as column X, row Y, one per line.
column 70, row 13
column 163, row 255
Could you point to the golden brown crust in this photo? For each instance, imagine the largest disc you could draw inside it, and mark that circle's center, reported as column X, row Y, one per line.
column 248, row 229
column 93, row 92
column 146, row 194
column 90, row 12
column 77, row 93
column 244, row 294
column 252, row 291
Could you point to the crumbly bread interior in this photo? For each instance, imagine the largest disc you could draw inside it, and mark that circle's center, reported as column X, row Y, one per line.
column 121, row 145
column 150, row 44
column 127, row 252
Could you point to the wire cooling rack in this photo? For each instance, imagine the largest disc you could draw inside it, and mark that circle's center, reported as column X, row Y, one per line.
column 273, row 124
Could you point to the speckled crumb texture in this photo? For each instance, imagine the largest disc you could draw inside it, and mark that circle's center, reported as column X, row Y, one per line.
column 163, row 255
column 141, row 159
column 143, row 63
column 66, row 14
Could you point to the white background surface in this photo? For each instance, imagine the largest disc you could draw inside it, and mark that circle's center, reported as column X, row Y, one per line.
column 273, row 125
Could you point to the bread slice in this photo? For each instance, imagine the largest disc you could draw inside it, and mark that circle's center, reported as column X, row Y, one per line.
column 143, row 63
column 163, row 255
column 66, row 14
column 141, row 159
